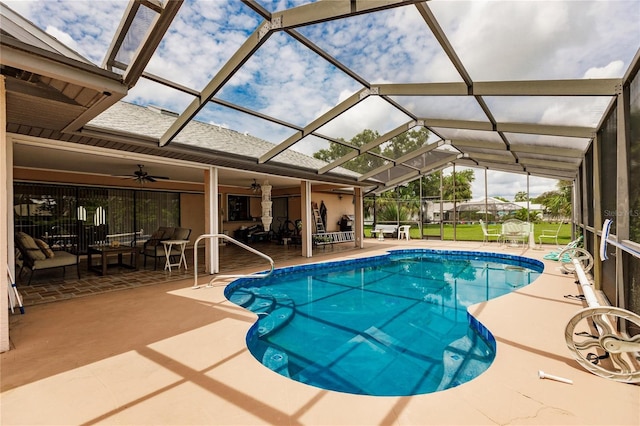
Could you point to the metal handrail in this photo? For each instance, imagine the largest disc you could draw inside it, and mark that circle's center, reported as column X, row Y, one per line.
column 218, row 277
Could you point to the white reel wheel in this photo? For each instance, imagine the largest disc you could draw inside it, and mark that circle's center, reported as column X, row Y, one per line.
column 594, row 337
column 584, row 257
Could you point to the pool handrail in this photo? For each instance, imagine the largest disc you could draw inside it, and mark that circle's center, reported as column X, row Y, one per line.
column 239, row 244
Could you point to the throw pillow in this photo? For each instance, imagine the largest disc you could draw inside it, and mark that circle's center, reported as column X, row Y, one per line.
column 29, row 246
column 44, row 247
column 26, row 241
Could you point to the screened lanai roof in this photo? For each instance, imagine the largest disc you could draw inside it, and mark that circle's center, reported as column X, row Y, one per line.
column 511, row 86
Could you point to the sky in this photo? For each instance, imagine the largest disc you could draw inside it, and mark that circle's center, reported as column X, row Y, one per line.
column 528, row 40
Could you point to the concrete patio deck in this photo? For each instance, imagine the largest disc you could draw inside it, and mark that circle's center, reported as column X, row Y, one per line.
column 166, row 354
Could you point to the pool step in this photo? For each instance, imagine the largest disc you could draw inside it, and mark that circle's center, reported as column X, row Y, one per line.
column 277, row 309
column 274, row 320
column 276, row 360
column 242, row 297
column 464, row 359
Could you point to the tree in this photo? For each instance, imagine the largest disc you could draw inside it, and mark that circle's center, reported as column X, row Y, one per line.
column 360, row 164
column 558, row 202
column 501, row 199
column 394, row 148
column 526, row 215
column 521, row 196
column 462, row 185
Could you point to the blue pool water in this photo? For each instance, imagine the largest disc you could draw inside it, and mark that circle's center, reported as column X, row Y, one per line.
column 388, row 325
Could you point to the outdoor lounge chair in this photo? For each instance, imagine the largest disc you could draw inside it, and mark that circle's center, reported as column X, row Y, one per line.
column 36, row 255
column 555, row 254
column 488, row 235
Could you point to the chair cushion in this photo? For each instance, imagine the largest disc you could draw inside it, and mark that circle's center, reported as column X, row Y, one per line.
column 29, row 246
column 159, row 234
column 168, row 233
column 44, row 247
column 62, row 258
column 181, row 234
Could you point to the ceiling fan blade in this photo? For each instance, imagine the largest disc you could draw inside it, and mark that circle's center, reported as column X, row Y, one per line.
column 150, row 178
column 160, row 177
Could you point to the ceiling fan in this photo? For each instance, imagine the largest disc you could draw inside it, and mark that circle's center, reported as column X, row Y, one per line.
column 255, row 186
column 142, row 176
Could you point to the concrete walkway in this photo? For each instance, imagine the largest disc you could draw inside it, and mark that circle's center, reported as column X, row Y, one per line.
column 169, row 355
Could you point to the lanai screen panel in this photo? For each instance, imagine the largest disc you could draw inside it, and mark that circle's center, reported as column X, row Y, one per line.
column 443, row 107
column 292, row 86
column 558, row 110
column 388, row 46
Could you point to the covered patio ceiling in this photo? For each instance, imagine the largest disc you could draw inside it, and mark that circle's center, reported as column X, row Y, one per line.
column 318, row 73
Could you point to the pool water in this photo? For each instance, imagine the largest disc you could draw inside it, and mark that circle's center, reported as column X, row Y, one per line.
column 388, row 325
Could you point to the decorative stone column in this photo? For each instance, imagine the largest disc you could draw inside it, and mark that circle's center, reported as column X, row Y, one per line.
column 266, row 203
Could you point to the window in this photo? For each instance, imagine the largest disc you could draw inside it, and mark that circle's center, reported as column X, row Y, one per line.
column 239, row 208
column 89, row 214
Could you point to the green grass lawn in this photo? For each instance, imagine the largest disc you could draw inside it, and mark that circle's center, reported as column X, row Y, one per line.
column 474, row 232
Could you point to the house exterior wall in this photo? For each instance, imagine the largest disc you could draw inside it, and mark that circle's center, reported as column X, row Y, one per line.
column 192, row 214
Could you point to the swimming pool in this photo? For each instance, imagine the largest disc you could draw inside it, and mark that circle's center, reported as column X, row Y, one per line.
column 388, row 325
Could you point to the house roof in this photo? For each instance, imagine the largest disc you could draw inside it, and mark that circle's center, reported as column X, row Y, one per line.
column 138, row 121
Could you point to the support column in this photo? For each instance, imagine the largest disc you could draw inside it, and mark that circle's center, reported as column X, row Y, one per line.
column 597, row 212
column 486, row 200
column 212, row 213
column 6, row 166
column 358, row 208
column 305, row 209
column 622, row 193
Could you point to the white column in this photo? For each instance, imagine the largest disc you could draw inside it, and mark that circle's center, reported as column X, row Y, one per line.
column 212, row 215
column 305, row 209
column 358, row 226
column 6, row 168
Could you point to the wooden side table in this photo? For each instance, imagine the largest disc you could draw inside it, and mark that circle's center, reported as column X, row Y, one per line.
column 105, row 251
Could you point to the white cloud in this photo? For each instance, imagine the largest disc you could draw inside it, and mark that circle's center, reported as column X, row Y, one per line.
column 22, row 7
column 62, row 37
column 611, row 70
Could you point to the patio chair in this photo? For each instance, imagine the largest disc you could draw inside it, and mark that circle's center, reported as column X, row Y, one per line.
column 153, row 247
column 403, row 232
column 550, row 234
column 488, row 235
column 515, row 231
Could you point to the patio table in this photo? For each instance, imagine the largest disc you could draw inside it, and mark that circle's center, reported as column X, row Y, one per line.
column 168, row 245
column 105, row 251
